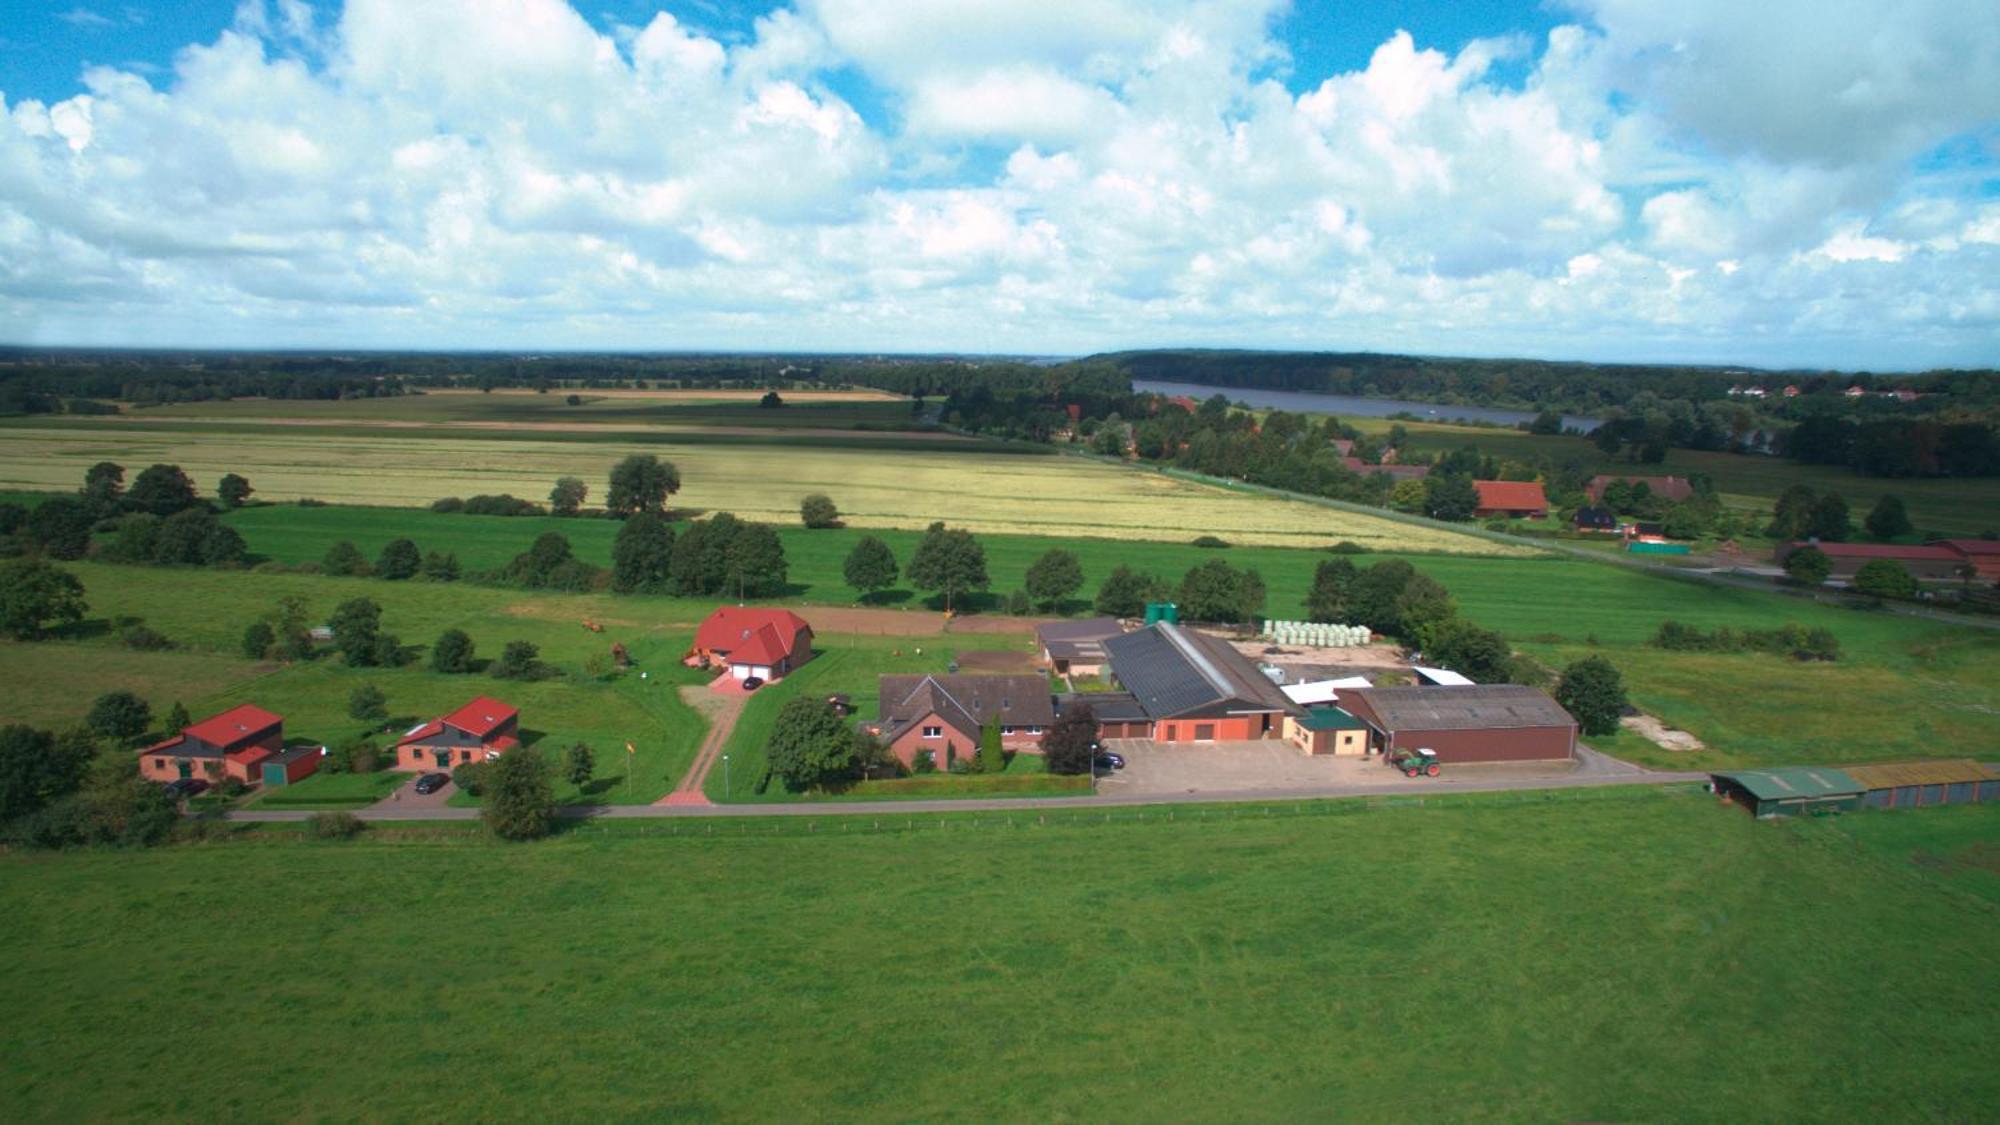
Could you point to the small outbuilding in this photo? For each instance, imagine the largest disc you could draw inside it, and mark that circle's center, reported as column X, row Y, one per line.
column 1441, row 677
column 1790, row 790
column 293, row 763
column 1328, row 730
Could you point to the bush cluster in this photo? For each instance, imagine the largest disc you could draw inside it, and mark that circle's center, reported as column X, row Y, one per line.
column 1792, row 640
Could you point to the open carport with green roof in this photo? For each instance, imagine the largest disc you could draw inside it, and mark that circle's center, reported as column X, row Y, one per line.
column 1791, row 790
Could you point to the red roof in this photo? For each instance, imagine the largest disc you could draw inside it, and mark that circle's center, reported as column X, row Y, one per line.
column 752, row 636
column 1511, row 495
column 248, row 756
column 238, row 724
column 421, row 733
column 479, row 717
column 1879, row 551
column 1971, row 546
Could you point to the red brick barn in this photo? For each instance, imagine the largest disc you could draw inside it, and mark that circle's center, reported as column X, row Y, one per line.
column 1476, row 723
column 480, row 731
column 766, row 643
column 944, row 714
column 232, row 744
column 1510, row 499
column 1190, row 687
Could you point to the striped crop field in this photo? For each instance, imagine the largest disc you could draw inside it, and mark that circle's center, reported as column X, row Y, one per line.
column 904, row 486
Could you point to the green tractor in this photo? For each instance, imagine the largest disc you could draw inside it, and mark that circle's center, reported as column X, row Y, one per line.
column 1415, row 762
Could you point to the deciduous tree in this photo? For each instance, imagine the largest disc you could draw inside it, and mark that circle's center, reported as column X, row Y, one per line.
column 1054, row 577
column 1125, row 592
column 1071, row 742
column 642, row 555
column 818, row 511
column 1593, row 692
column 519, row 660
column 567, row 497
column 120, row 717
column 519, row 802
column 810, row 746
column 234, row 490
column 1808, row 566
column 948, row 561
column 641, row 483
column 1326, row 603
column 161, row 490
column 451, row 653
column 344, row 559
column 1885, row 578
column 579, row 763
column 400, row 559
column 357, row 626
column 870, row 566
column 35, row 595
column 1888, row 519
column 367, row 704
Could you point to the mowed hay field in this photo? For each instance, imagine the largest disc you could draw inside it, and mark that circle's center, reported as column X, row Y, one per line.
column 1618, row 957
column 899, row 487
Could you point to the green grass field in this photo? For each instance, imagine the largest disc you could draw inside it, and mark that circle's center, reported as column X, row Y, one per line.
column 1619, row 956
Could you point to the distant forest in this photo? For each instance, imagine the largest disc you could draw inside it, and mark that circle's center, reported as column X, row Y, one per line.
column 1938, row 423
column 1523, row 384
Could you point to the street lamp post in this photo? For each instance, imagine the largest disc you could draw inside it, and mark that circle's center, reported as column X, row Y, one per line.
column 728, row 791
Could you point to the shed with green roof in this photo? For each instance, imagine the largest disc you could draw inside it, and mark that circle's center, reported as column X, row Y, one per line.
column 1328, row 730
column 1791, row 790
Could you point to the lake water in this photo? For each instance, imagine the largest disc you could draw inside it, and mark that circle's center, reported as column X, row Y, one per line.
column 1300, row 402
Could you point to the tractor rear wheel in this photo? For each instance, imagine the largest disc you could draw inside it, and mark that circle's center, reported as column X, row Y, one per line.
column 1411, row 772
column 1433, row 771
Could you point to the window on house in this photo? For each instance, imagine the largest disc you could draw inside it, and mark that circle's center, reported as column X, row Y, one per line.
column 1034, row 730
column 465, row 755
column 159, row 763
column 1006, row 730
column 933, row 732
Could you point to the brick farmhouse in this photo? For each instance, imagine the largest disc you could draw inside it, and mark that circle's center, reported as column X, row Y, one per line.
column 480, row 731
column 232, row 744
column 945, row 714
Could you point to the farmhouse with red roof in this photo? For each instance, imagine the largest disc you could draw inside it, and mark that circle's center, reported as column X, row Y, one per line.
column 231, row 744
column 1941, row 559
column 480, row 731
column 765, row 643
column 1511, row 499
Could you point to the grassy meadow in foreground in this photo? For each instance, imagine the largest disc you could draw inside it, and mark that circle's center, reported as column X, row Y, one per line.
column 1626, row 956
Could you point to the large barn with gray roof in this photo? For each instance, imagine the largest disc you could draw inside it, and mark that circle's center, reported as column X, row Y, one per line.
column 1472, row 723
column 1185, row 686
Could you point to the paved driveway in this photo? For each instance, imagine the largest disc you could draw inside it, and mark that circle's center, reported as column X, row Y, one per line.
column 1183, row 769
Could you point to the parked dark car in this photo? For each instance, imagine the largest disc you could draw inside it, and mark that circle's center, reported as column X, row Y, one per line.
column 431, row 783
column 186, row 787
column 752, row 683
column 1106, row 761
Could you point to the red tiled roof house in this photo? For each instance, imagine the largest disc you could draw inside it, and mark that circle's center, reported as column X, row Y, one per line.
column 480, row 731
column 1510, row 499
column 766, row 643
column 232, row 744
column 944, row 714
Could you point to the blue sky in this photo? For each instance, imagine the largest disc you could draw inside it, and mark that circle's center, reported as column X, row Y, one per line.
column 1807, row 182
